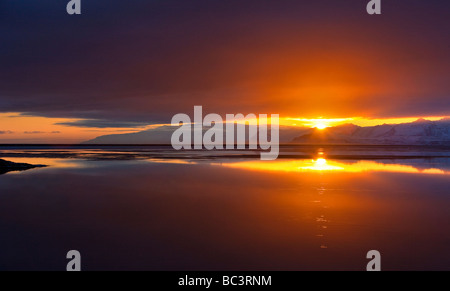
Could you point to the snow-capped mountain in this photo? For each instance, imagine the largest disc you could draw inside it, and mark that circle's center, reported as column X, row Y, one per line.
column 420, row 132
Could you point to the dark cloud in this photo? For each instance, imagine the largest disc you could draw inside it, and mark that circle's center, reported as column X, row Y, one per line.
column 143, row 61
column 40, row 132
column 6, row 132
column 34, row 132
column 96, row 123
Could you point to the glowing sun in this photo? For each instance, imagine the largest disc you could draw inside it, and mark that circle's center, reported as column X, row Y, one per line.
column 320, row 126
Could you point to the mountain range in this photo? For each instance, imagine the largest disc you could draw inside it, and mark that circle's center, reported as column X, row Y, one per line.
column 420, row 132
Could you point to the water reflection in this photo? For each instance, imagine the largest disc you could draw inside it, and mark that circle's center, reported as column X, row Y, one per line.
column 60, row 163
column 318, row 165
column 323, row 165
column 226, row 214
column 303, row 165
column 321, row 220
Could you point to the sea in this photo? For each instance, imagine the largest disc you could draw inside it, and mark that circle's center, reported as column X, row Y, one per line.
column 149, row 207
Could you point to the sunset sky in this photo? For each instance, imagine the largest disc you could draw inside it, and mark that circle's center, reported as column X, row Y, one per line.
column 123, row 66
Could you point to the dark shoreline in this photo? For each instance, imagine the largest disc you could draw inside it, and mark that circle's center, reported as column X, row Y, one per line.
column 7, row 166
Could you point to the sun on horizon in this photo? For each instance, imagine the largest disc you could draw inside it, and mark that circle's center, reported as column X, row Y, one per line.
column 321, row 126
column 322, row 123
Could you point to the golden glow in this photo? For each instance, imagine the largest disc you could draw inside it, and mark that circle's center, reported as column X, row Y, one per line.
column 322, row 123
column 322, row 165
column 319, row 123
column 317, row 165
column 321, row 126
column 174, row 161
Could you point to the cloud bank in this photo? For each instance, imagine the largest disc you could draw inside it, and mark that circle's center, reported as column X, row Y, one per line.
column 130, row 63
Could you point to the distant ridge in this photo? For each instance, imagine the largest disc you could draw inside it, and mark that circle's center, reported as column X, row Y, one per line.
column 162, row 135
column 419, row 132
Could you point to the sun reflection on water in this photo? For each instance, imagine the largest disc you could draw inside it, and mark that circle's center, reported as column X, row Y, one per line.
column 324, row 165
column 316, row 165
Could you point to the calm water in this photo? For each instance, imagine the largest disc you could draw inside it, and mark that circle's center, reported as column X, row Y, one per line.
column 153, row 209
